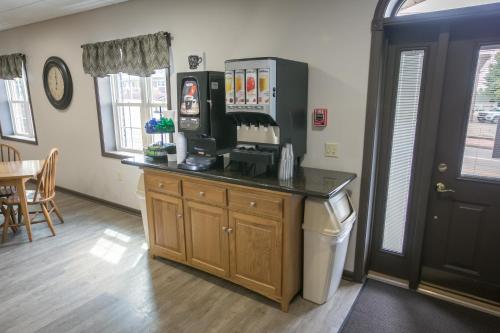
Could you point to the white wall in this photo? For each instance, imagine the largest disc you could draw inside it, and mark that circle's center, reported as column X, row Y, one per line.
column 332, row 36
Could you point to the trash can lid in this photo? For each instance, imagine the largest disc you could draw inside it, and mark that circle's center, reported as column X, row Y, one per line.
column 337, row 231
column 328, row 217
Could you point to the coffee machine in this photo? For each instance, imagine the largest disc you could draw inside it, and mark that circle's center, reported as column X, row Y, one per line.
column 202, row 118
column 267, row 99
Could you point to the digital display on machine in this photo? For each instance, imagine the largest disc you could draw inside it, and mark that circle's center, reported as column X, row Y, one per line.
column 190, row 99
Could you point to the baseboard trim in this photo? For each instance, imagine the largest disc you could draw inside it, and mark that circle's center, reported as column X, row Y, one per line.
column 458, row 299
column 99, row 200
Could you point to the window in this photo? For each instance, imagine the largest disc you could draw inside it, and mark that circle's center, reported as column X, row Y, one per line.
column 481, row 154
column 411, row 7
column 16, row 118
column 402, row 150
column 125, row 103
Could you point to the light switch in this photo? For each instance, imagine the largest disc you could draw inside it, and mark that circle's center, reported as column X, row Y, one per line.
column 331, row 149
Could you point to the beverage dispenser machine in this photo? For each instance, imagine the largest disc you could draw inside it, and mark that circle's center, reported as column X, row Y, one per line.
column 267, row 99
column 209, row 131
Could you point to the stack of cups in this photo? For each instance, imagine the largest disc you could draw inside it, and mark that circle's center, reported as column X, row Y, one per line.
column 181, row 146
column 286, row 163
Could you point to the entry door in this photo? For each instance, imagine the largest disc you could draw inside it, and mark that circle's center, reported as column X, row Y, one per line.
column 409, row 76
column 462, row 236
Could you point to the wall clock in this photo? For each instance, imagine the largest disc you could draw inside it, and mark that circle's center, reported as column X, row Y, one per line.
column 57, row 83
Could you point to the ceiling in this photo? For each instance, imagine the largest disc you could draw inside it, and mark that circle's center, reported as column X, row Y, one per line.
column 15, row 13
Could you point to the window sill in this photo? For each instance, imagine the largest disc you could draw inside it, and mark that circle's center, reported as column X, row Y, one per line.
column 120, row 155
column 18, row 138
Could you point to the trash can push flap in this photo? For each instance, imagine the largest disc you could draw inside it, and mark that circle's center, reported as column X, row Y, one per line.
column 327, row 216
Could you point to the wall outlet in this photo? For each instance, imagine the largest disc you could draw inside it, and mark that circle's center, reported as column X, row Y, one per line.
column 331, row 149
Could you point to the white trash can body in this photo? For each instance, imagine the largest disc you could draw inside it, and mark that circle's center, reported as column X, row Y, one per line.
column 141, row 196
column 327, row 227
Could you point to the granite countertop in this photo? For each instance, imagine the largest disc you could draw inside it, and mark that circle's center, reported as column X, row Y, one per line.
column 307, row 181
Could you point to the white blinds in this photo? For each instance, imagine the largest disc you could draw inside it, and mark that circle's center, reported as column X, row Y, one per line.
column 403, row 142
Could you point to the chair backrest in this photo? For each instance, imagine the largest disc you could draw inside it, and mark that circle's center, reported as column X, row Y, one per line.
column 46, row 179
column 9, row 153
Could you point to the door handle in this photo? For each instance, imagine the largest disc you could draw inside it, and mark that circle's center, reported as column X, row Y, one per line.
column 441, row 188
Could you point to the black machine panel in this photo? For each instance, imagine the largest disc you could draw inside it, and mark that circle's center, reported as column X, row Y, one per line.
column 202, row 117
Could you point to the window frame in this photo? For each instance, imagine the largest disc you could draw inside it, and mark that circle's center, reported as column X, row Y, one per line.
column 118, row 151
column 17, row 137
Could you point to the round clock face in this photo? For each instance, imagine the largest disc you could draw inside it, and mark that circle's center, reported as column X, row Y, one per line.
column 57, row 83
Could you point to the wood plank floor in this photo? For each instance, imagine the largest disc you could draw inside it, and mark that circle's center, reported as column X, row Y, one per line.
column 96, row 276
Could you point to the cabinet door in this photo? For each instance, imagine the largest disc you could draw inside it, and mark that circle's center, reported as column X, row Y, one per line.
column 256, row 252
column 206, row 238
column 166, row 226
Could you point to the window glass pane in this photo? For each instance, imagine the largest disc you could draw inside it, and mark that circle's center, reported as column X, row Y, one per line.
column 20, row 110
column 130, row 127
column 158, row 86
column 411, row 7
column 403, row 142
column 128, row 88
column 481, row 157
column 21, row 119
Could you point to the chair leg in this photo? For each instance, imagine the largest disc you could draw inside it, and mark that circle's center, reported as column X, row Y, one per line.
column 47, row 217
column 57, row 211
column 6, row 224
column 19, row 215
column 13, row 219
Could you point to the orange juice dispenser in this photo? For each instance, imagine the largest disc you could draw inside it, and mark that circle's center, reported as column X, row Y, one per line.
column 267, row 99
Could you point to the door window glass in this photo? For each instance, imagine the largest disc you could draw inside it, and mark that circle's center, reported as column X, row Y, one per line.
column 481, row 155
column 411, row 7
column 403, row 143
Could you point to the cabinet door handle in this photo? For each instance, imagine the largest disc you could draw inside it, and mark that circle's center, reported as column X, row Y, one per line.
column 160, row 185
column 253, row 204
column 202, row 194
column 179, row 216
column 224, row 228
column 229, row 230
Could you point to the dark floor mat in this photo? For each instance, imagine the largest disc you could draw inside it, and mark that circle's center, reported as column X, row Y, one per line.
column 384, row 308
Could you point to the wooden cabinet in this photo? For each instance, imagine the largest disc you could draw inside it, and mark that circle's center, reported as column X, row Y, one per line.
column 206, row 238
column 249, row 236
column 256, row 250
column 166, row 226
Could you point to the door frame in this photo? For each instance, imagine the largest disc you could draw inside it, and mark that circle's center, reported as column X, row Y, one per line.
column 383, row 20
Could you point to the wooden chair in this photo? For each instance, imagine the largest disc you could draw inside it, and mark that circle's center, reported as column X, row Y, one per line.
column 43, row 195
column 8, row 154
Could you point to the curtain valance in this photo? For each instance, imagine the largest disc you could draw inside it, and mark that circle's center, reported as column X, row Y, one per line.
column 11, row 66
column 140, row 55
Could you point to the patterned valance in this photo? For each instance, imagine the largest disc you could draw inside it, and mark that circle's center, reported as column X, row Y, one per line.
column 140, row 55
column 11, row 66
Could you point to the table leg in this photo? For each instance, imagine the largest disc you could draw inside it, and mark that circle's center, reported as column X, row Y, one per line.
column 23, row 204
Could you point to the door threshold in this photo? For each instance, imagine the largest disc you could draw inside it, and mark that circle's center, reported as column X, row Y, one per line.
column 459, row 298
column 394, row 281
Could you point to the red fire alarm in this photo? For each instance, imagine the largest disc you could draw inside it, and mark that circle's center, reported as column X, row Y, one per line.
column 320, row 117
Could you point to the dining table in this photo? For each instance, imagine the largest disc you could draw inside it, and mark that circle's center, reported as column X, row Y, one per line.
column 16, row 174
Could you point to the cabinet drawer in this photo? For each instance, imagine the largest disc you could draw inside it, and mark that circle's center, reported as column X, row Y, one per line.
column 162, row 183
column 204, row 192
column 262, row 203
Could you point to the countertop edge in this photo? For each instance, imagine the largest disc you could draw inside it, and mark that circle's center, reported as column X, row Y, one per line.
column 243, row 182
